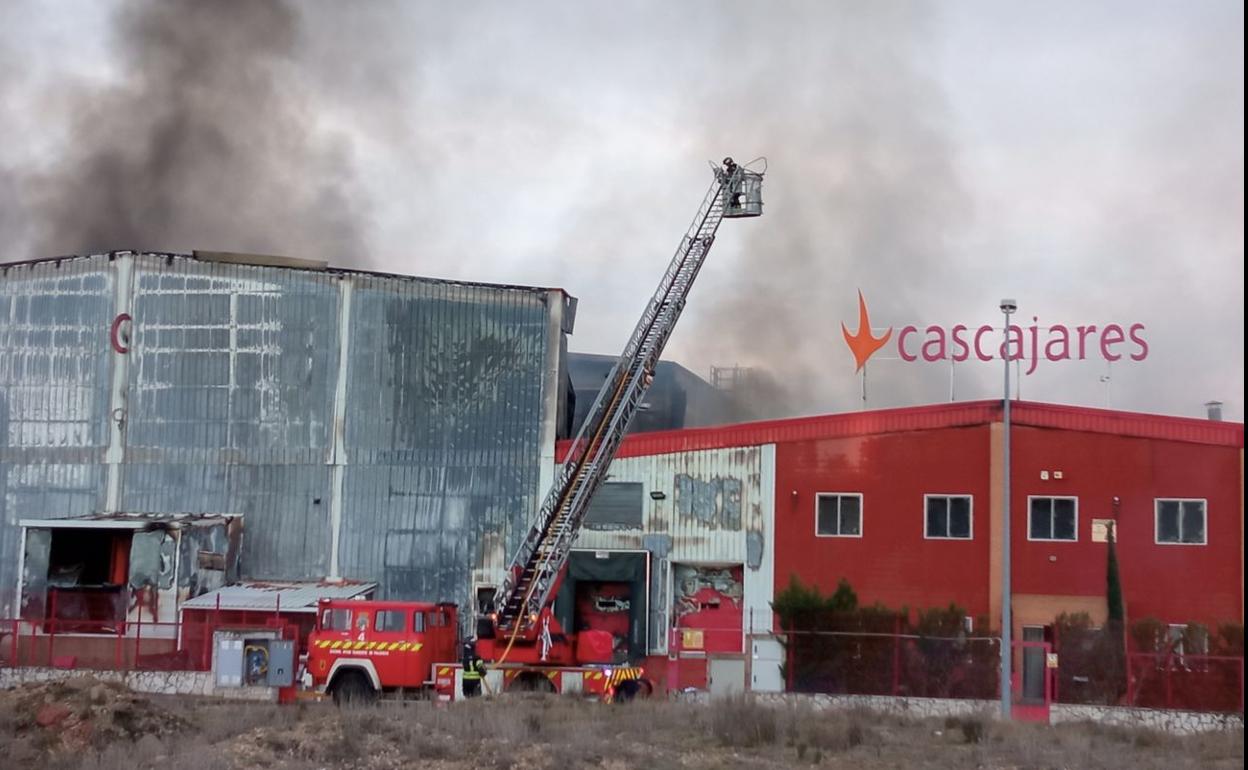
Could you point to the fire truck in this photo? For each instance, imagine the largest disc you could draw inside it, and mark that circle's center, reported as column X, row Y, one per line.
column 360, row 650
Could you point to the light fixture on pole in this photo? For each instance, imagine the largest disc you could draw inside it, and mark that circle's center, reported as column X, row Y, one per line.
column 1008, row 307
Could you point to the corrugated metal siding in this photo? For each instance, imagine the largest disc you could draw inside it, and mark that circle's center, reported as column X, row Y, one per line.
column 54, row 370
column 713, row 511
column 444, row 394
column 230, row 389
column 230, row 400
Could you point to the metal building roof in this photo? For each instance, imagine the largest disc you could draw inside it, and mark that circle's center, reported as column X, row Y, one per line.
column 130, row 520
column 266, row 260
column 930, row 417
column 274, row 595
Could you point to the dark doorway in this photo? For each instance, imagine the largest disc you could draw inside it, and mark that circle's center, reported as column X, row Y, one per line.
column 88, row 570
column 607, row 590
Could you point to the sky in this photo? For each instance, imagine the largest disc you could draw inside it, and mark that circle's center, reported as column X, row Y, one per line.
column 1083, row 158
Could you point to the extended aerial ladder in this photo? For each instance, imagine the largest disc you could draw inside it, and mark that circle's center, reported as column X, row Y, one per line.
column 523, row 602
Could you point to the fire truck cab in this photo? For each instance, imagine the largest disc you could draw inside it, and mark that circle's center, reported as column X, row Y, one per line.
column 360, row 649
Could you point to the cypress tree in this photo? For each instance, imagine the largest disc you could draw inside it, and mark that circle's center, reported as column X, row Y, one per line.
column 1115, row 640
column 1113, row 583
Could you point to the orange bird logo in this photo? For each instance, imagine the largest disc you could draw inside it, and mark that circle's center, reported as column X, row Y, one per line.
column 861, row 343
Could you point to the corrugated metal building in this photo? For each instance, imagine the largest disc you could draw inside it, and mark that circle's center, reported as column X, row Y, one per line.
column 372, row 426
column 702, row 521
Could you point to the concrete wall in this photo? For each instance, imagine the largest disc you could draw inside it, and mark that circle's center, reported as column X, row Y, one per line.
column 1178, row 722
column 154, row 682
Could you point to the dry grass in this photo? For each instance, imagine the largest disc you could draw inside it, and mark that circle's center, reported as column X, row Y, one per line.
column 539, row 731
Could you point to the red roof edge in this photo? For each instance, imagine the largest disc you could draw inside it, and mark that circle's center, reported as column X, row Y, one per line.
column 929, row 417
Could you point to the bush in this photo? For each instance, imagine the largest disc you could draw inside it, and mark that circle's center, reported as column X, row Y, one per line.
column 1147, row 635
column 1092, row 665
column 1229, row 640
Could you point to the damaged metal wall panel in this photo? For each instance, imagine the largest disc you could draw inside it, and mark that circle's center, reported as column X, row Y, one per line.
column 203, row 560
column 231, row 363
column 713, row 510
column 446, row 397
column 54, row 369
column 231, row 397
column 760, row 583
column 285, row 509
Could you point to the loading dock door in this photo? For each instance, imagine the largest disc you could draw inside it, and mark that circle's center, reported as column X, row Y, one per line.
column 610, row 572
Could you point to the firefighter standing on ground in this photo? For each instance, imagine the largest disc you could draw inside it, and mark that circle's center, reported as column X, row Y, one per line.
column 474, row 671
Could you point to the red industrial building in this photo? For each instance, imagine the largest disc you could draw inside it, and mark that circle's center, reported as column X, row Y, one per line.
column 906, row 505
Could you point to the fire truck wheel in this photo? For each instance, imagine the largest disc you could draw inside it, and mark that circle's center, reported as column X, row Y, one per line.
column 633, row 688
column 352, row 688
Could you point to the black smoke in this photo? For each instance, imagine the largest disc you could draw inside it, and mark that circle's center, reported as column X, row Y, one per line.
column 210, row 138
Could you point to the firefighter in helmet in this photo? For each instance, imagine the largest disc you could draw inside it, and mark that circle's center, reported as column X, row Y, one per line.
column 474, row 670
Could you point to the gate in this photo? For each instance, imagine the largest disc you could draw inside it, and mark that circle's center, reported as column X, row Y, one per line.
column 1035, row 666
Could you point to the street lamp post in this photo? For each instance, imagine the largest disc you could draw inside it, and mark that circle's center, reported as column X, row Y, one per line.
column 1008, row 306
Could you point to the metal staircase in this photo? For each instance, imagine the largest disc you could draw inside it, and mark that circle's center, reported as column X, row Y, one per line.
column 535, row 568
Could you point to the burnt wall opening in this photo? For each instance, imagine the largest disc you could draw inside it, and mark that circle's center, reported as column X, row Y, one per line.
column 86, row 557
column 87, row 576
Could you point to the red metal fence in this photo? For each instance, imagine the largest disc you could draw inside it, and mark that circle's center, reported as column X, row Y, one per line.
column 830, row 662
column 1188, row 682
column 1097, row 666
column 849, row 663
column 111, row 646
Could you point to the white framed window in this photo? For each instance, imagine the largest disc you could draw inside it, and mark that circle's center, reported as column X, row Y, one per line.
column 1179, row 522
column 947, row 517
column 838, row 514
column 1053, row 518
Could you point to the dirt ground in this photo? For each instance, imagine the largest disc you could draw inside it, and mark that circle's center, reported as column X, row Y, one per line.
column 87, row 724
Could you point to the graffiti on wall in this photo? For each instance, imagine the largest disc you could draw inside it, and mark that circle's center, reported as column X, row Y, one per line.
column 716, row 503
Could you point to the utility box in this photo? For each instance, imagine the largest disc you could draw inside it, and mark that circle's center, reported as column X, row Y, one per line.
column 281, row 663
column 229, row 663
column 254, row 659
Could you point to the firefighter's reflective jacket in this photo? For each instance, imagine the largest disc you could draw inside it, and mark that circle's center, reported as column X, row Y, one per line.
column 475, row 669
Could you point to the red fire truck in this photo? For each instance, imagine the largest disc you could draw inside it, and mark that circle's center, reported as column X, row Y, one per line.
column 361, row 649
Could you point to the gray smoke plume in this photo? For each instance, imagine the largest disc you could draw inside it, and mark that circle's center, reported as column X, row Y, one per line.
column 861, row 192
column 207, row 140
column 1085, row 159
